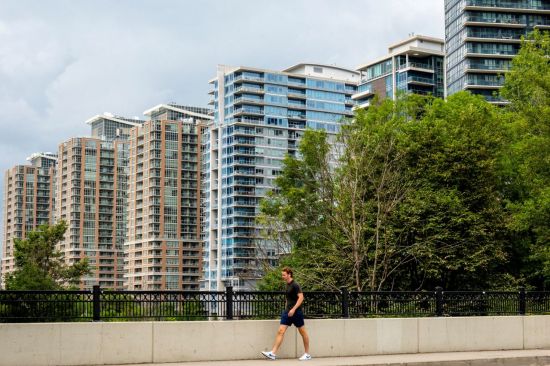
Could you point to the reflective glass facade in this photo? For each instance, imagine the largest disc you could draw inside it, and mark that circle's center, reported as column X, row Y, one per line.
column 259, row 118
column 482, row 37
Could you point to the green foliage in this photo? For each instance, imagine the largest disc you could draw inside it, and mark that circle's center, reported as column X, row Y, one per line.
column 526, row 165
column 39, row 266
column 455, row 216
column 413, row 200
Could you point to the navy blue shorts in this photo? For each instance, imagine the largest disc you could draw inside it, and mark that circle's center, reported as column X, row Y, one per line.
column 297, row 319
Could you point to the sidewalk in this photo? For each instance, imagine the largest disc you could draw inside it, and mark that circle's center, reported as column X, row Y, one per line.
column 489, row 358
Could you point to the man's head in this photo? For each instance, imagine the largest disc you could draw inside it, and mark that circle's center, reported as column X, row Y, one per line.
column 286, row 274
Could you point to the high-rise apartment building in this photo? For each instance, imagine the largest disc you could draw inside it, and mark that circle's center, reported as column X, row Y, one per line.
column 415, row 65
column 163, row 248
column 27, row 202
column 91, row 196
column 110, row 127
column 482, row 37
column 259, row 117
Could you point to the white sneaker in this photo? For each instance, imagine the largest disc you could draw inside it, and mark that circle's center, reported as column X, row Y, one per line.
column 270, row 355
column 305, row 357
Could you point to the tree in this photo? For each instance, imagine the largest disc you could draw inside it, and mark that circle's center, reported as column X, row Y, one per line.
column 455, row 215
column 406, row 197
column 526, row 181
column 39, row 266
column 335, row 204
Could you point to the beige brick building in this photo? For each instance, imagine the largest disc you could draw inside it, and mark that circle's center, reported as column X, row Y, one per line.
column 91, row 196
column 27, row 202
column 163, row 248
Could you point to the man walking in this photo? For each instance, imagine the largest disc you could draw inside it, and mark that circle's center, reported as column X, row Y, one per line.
column 291, row 315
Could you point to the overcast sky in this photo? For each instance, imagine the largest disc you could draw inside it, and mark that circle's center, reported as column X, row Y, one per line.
column 62, row 62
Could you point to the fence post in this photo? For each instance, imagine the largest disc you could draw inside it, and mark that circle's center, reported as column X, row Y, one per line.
column 96, row 294
column 345, row 302
column 439, row 301
column 229, row 302
column 522, row 301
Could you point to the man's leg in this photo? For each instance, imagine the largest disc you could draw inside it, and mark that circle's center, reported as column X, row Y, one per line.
column 279, row 337
column 305, row 338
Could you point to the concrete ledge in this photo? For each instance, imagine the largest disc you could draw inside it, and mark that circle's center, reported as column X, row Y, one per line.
column 146, row 342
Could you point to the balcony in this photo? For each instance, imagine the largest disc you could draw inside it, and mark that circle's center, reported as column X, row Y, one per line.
column 241, row 192
column 254, row 121
column 248, row 111
column 487, row 69
column 297, row 94
column 296, row 116
column 492, row 53
column 418, row 80
column 474, row 20
column 244, row 141
column 248, row 89
column 495, row 99
column 244, row 77
column 296, row 105
column 240, row 100
column 484, row 84
column 297, row 82
column 244, row 161
column 362, row 105
column 493, row 37
column 416, row 66
column 246, row 132
column 363, row 94
column 506, row 6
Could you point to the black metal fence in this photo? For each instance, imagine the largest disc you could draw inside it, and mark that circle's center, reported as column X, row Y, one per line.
column 105, row 305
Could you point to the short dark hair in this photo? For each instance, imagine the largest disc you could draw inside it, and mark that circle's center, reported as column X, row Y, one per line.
column 289, row 271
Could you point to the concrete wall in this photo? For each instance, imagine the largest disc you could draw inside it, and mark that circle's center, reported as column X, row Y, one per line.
column 142, row 342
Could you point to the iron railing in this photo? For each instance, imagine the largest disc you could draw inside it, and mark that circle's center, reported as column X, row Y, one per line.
column 106, row 305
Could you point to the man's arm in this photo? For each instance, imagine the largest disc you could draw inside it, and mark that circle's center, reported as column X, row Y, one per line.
column 298, row 303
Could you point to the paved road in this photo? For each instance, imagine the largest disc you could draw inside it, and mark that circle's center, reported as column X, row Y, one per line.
column 489, row 358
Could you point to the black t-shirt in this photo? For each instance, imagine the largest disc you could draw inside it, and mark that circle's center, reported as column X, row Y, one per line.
column 292, row 291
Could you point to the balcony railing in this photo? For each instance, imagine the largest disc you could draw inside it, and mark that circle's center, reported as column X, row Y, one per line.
column 475, row 66
column 494, row 35
column 485, row 82
column 481, row 19
column 419, row 79
column 507, row 4
column 488, row 51
column 415, row 65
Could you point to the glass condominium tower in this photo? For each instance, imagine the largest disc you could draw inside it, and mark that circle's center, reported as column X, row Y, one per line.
column 415, row 65
column 259, row 117
column 482, row 37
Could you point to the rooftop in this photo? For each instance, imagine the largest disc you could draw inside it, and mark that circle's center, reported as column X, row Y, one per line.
column 109, row 116
column 197, row 112
column 415, row 45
